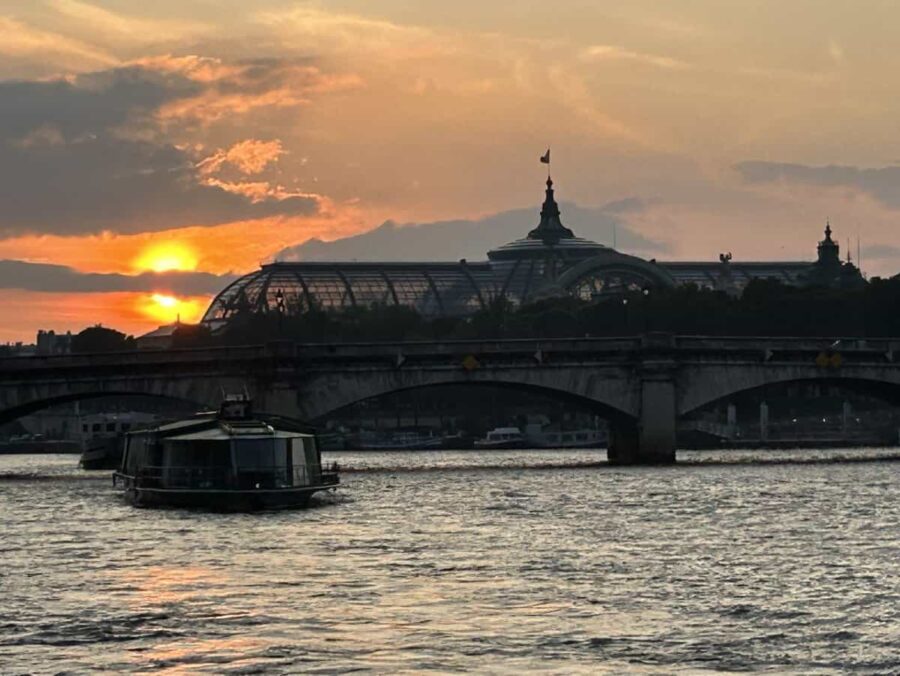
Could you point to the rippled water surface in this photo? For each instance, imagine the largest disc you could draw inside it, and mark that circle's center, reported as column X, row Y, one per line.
column 497, row 562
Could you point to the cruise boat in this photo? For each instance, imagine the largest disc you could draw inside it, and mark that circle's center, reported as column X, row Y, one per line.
column 228, row 460
column 103, row 437
column 405, row 441
column 502, row 438
column 547, row 437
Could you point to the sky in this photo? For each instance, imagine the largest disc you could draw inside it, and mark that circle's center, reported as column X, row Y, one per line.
column 150, row 152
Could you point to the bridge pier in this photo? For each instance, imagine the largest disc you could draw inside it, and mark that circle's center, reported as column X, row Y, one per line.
column 651, row 439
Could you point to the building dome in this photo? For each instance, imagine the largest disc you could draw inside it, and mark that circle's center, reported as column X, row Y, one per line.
column 550, row 261
column 537, row 266
column 549, row 238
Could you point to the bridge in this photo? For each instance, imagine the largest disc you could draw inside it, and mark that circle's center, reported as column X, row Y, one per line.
column 643, row 385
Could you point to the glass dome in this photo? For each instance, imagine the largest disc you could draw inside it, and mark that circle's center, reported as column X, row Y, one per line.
column 549, row 261
column 432, row 289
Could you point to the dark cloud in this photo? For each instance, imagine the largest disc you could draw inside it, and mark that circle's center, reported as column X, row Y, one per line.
column 59, row 278
column 90, row 104
column 471, row 239
column 882, row 183
column 66, row 166
column 103, row 183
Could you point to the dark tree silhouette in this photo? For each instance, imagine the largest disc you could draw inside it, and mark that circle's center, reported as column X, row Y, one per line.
column 101, row 339
column 766, row 308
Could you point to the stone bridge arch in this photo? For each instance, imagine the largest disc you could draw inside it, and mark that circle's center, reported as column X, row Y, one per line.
column 611, row 392
column 21, row 400
column 700, row 387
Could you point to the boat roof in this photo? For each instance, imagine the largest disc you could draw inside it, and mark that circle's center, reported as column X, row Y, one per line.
column 205, row 424
column 224, row 434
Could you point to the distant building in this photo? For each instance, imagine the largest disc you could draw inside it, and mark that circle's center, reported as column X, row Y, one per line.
column 158, row 339
column 50, row 343
column 829, row 270
column 549, row 261
column 18, row 349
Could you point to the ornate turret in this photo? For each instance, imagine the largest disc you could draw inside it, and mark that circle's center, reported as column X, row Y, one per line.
column 829, row 251
column 550, row 230
column 828, row 270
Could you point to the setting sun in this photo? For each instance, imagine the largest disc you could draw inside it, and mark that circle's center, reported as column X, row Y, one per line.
column 165, row 301
column 166, row 256
column 166, row 309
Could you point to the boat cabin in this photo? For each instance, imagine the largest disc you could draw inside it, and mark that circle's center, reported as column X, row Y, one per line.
column 504, row 434
column 221, row 454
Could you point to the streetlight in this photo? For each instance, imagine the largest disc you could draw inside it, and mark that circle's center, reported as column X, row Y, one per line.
column 646, row 294
column 279, row 306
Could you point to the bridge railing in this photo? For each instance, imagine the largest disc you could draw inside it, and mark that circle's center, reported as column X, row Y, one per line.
column 251, row 358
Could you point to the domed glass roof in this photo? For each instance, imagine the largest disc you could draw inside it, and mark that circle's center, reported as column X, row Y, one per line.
column 550, row 260
column 432, row 289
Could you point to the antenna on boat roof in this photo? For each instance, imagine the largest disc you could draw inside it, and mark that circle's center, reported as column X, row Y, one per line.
column 236, row 406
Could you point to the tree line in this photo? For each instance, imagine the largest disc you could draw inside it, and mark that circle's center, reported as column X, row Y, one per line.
column 766, row 307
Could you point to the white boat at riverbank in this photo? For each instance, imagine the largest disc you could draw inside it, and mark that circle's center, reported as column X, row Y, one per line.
column 585, row 437
column 502, row 438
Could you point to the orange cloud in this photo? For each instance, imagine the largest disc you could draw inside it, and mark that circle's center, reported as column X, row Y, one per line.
column 257, row 191
column 192, row 66
column 239, row 88
column 249, row 157
column 240, row 246
column 118, row 28
column 164, row 256
column 19, row 40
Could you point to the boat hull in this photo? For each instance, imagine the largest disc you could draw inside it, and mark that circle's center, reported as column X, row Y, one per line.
column 223, row 500
column 105, row 453
column 505, row 445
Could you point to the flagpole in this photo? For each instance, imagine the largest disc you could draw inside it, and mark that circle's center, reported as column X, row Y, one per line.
column 545, row 159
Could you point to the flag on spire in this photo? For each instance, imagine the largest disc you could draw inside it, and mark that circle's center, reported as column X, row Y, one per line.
column 545, row 158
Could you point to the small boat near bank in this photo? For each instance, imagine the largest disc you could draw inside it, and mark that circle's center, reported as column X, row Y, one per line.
column 229, row 460
column 103, row 437
column 502, row 438
column 102, row 452
column 540, row 436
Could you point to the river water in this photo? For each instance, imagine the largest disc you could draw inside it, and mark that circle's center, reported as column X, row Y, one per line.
column 494, row 562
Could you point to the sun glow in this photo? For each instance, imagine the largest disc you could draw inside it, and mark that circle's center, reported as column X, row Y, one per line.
column 167, row 309
column 166, row 256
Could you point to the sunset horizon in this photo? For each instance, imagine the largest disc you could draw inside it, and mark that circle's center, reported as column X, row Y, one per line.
column 414, row 336
column 160, row 152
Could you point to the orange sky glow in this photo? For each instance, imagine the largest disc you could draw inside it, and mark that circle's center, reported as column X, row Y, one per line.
column 182, row 136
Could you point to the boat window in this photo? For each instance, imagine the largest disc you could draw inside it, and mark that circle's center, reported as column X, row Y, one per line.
column 304, row 461
column 142, row 452
column 111, row 427
column 84, row 427
column 260, row 453
column 95, row 427
column 197, row 453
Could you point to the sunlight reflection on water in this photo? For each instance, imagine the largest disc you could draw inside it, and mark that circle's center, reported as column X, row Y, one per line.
column 502, row 561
